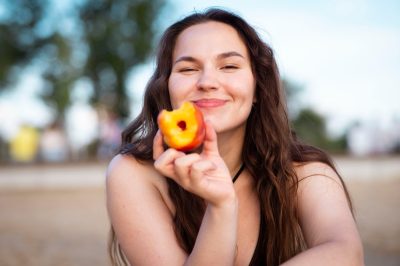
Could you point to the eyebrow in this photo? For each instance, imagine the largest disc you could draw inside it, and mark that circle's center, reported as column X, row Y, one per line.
column 229, row 54
column 220, row 56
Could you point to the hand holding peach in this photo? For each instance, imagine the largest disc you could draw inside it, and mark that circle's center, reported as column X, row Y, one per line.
column 204, row 174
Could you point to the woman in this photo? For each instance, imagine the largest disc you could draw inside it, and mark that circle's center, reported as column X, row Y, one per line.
column 288, row 205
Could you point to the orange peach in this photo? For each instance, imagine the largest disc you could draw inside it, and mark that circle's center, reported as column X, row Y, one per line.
column 183, row 128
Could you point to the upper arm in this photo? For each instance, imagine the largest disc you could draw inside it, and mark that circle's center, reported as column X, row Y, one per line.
column 141, row 220
column 323, row 208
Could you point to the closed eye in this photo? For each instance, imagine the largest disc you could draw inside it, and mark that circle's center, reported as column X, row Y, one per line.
column 229, row 68
column 187, row 70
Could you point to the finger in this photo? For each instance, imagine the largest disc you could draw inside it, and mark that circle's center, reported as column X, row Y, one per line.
column 158, row 148
column 165, row 162
column 183, row 165
column 210, row 145
column 200, row 168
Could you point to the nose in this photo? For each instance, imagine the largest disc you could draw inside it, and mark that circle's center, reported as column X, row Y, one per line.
column 208, row 80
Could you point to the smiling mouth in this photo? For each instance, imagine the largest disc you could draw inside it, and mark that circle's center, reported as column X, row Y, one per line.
column 209, row 103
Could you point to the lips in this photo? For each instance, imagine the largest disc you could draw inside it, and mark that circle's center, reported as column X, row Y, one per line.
column 209, row 103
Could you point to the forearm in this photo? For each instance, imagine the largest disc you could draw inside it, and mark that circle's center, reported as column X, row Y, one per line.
column 216, row 241
column 329, row 254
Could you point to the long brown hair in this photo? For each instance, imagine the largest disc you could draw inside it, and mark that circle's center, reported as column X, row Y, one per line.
column 269, row 152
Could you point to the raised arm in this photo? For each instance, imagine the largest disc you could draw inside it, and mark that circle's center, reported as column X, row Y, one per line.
column 207, row 176
column 142, row 217
column 326, row 220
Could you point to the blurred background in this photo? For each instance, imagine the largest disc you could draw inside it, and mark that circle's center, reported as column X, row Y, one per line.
column 72, row 76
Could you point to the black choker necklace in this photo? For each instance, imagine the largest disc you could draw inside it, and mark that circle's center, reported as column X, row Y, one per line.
column 238, row 173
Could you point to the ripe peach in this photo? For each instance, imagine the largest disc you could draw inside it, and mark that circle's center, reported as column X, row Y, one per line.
column 183, row 128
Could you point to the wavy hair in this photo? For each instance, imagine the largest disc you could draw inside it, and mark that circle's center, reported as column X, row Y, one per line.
column 269, row 152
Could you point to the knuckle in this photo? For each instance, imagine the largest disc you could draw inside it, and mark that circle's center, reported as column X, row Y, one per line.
column 196, row 167
column 195, row 156
column 179, row 164
column 201, row 165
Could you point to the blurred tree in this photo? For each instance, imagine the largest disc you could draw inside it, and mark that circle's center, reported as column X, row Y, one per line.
column 108, row 39
column 59, row 73
column 308, row 124
column 293, row 91
column 18, row 36
column 119, row 35
column 310, row 127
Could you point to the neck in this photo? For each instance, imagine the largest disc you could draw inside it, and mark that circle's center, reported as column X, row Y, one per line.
column 230, row 145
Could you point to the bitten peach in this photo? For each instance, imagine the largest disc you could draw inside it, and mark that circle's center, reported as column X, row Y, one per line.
column 183, row 128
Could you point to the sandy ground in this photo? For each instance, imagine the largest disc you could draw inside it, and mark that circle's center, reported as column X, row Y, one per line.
column 55, row 215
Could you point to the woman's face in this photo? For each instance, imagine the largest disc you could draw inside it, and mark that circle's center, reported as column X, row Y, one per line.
column 211, row 68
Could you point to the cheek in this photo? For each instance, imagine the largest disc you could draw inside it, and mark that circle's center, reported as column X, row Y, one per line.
column 244, row 87
column 179, row 87
column 174, row 92
column 251, row 89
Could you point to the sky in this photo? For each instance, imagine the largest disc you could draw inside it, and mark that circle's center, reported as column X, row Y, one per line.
column 344, row 54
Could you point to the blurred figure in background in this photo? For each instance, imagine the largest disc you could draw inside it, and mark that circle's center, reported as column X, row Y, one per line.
column 373, row 139
column 24, row 146
column 358, row 139
column 109, row 135
column 3, row 150
column 82, row 129
column 54, row 144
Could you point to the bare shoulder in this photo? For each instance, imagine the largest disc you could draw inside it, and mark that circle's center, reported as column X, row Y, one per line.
column 323, row 209
column 127, row 178
column 124, row 166
column 317, row 175
column 124, row 172
column 140, row 212
column 310, row 169
column 319, row 185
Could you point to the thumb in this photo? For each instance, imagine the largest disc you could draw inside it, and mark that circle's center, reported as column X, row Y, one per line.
column 210, row 145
